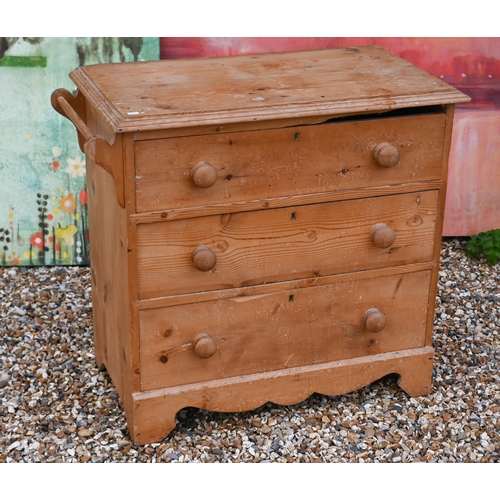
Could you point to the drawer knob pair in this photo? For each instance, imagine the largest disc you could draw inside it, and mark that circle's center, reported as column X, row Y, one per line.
column 204, row 346
column 204, row 175
column 382, row 235
column 203, row 257
column 374, row 320
column 386, row 155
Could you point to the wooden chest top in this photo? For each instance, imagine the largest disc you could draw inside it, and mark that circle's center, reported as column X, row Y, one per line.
column 151, row 95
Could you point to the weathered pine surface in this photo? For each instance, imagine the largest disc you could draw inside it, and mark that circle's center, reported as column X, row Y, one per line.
column 156, row 409
column 288, row 243
column 281, row 330
column 263, row 227
column 166, row 94
column 288, row 161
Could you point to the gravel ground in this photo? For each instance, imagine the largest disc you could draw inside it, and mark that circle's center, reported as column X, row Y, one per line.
column 57, row 407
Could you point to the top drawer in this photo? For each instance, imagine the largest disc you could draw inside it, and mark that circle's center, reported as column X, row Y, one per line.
column 272, row 163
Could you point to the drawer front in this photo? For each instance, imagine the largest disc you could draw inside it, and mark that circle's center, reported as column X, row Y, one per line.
column 251, row 248
column 282, row 330
column 257, row 165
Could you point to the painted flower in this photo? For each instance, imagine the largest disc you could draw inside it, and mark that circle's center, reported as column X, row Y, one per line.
column 76, row 167
column 55, row 165
column 66, row 234
column 29, row 255
column 13, row 259
column 78, row 252
column 83, row 197
column 56, row 151
column 68, row 203
column 37, row 240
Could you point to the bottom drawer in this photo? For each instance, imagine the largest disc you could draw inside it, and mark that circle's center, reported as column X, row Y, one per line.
column 252, row 334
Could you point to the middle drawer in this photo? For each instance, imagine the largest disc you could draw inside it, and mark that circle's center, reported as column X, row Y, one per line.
column 250, row 248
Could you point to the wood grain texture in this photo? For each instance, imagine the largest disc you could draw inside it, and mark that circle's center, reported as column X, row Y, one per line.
column 131, row 261
column 77, row 103
column 110, row 158
column 154, row 411
column 109, row 272
column 167, row 133
column 290, row 286
column 288, row 161
column 284, row 244
column 243, row 265
column 282, row 330
column 284, row 201
column 165, row 94
column 96, row 148
column 450, row 112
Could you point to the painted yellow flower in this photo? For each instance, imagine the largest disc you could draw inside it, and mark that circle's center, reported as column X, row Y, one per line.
column 66, row 234
column 56, row 151
column 67, row 203
column 76, row 167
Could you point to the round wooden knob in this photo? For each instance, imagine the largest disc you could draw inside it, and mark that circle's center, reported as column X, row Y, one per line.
column 374, row 320
column 204, row 175
column 204, row 345
column 386, row 154
column 203, row 258
column 382, row 235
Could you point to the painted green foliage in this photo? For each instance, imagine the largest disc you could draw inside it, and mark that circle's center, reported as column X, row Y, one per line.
column 43, row 197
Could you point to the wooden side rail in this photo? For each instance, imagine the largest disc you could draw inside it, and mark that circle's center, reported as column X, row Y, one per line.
column 95, row 147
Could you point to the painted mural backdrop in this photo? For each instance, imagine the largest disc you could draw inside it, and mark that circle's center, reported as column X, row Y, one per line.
column 470, row 64
column 43, row 196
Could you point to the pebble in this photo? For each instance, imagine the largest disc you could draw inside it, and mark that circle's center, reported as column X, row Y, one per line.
column 56, row 406
column 18, row 311
column 4, row 379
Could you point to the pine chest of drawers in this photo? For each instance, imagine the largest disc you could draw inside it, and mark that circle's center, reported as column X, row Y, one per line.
column 262, row 227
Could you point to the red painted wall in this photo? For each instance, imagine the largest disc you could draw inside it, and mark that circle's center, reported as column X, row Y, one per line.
column 470, row 64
